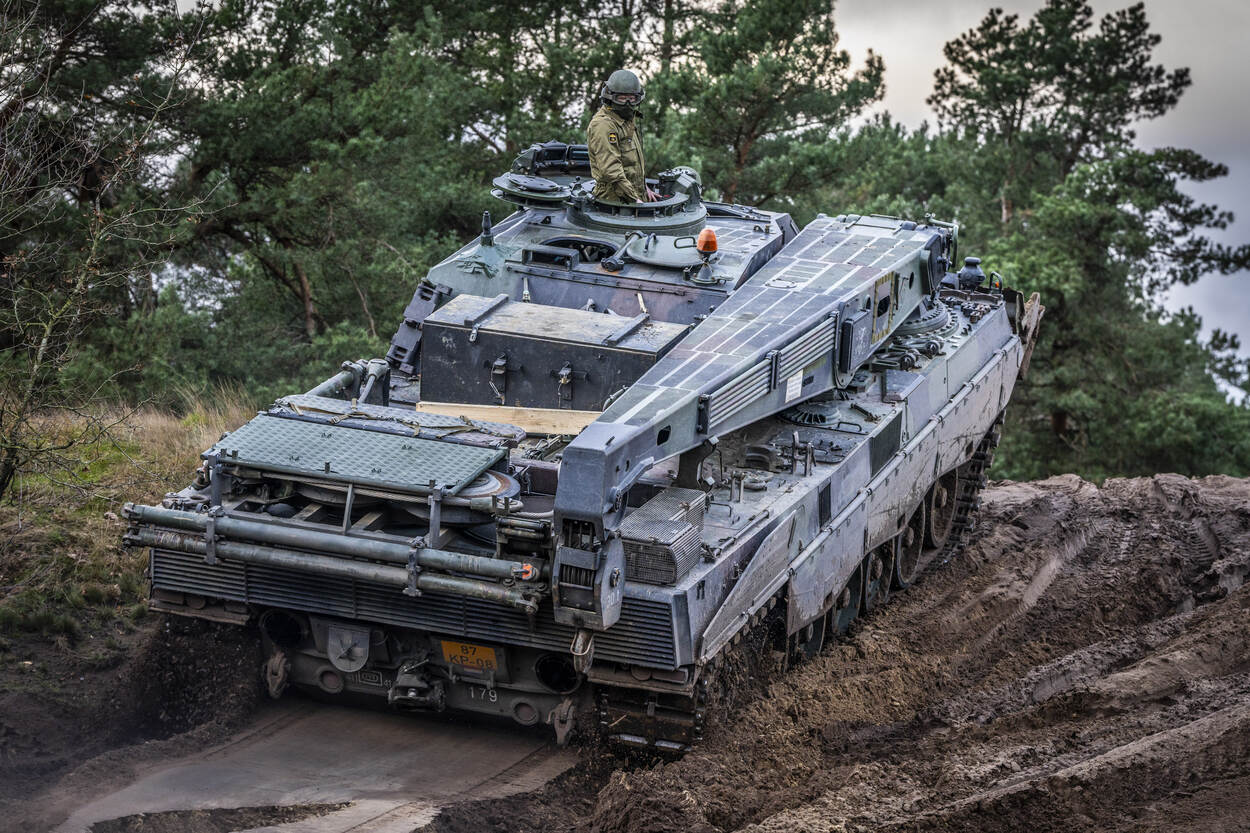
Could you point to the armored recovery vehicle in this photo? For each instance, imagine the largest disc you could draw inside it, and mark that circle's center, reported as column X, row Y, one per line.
column 603, row 448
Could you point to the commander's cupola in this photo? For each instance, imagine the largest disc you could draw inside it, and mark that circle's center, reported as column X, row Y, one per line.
column 554, row 174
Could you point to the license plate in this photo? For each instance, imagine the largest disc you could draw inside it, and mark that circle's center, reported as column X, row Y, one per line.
column 467, row 655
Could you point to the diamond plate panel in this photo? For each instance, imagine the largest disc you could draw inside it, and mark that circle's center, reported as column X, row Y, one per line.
column 405, row 416
column 353, row 455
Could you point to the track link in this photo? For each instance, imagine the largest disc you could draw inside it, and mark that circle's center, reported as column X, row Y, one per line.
column 972, row 479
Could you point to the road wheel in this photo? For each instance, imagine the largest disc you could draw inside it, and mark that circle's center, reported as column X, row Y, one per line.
column 879, row 575
column 940, row 509
column 846, row 605
column 911, row 546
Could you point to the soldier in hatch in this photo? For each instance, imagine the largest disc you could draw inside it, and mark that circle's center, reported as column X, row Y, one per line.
column 616, row 160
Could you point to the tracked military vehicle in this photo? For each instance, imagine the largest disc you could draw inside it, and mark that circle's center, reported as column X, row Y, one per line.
column 608, row 442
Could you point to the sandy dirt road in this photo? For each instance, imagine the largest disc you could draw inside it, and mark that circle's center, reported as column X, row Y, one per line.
column 297, row 757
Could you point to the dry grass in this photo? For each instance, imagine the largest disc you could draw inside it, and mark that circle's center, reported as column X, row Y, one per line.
column 169, row 446
column 63, row 571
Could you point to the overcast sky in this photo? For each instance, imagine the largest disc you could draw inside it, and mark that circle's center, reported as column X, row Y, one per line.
column 1213, row 117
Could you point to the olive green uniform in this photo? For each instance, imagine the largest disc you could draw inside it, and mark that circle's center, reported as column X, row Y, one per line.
column 616, row 157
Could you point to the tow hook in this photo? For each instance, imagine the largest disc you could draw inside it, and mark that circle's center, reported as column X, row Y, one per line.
column 561, row 719
column 583, row 649
column 276, row 673
column 414, row 690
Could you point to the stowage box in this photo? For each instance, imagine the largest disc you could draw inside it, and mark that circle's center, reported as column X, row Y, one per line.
column 492, row 351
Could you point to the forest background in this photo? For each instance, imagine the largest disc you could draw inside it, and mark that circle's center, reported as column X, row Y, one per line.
column 231, row 200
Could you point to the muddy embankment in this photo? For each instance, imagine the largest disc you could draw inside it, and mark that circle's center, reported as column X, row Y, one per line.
column 71, row 731
column 1084, row 666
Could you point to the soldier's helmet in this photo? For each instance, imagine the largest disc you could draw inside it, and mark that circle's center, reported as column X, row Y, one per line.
column 623, row 89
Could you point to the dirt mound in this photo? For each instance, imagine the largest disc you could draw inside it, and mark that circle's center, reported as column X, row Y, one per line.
column 183, row 682
column 1085, row 665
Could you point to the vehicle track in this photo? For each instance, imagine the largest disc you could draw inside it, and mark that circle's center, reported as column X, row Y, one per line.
column 1083, row 665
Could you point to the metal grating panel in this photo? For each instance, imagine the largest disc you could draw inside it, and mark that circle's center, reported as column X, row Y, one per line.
column 654, row 562
column 333, row 452
column 663, row 537
column 672, row 504
column 644, row 635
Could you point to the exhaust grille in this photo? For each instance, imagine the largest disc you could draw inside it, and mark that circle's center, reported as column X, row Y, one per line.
column 643, row 631
column 807, row 348
column 644, row 635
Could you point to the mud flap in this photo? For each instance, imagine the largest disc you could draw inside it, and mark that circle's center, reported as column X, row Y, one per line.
column 644, row 720
column 1033, row 311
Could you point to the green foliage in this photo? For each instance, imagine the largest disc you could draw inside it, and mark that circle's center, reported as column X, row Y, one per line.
column 335, row 149
column 1035, row 160
column 759, row 105
column 86, row 92
column 1118, row 387
column 1044, row 96
column 332, row 163
column 1054, row 81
